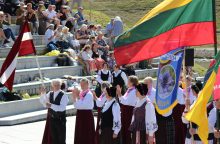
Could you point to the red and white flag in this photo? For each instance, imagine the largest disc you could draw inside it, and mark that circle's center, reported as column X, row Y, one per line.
column 23, row 46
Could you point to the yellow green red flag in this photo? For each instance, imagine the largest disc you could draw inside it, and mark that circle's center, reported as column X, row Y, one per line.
column 198, row 112
column 168, row 26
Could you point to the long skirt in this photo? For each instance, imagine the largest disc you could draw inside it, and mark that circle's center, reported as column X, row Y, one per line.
column 106, row 137
column 126, row 116
column 142, row 139
column 98, row 126
column 189, row 141
column 47, row 139
column 180, row 127
column 84, row 128
column 166, row 132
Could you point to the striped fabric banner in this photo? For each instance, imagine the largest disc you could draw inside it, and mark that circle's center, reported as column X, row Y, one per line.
column 23, row 46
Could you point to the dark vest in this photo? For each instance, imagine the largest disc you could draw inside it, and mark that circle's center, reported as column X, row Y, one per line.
column 139, row 119
column 118, row 80
column 107, row 118
column 104, row 77
column 54, row 114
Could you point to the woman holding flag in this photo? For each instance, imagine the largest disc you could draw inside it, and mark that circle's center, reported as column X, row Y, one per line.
column 193, row 128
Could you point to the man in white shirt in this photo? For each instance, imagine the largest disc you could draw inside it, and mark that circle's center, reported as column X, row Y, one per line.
column 151, row 90
column 50, row 13
column 56, row 102
column 50, row 34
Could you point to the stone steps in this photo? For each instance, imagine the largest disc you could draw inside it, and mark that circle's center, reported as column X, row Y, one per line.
column 31, row 110
column 38, row 40
column 30, row 62
column 31, row 117
column 41, row 50
column 27, row 75
column 32, row 88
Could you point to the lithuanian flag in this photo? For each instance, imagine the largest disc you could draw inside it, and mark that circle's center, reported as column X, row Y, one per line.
column 198, row 112
column 170, row 25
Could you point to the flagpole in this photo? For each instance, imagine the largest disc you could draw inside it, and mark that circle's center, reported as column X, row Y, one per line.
column 187, row 94
column 214, row 26
column 216, row 51
column 39, row 70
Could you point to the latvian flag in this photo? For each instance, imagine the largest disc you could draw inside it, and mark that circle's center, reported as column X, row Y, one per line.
column 23, row 46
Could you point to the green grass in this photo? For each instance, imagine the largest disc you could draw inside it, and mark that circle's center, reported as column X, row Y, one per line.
column 199, row 69
column 129, row 10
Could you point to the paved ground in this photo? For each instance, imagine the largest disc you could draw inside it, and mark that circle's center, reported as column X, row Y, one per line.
column 31, row 133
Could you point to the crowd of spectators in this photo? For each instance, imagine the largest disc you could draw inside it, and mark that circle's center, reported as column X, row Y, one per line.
column 64, row 29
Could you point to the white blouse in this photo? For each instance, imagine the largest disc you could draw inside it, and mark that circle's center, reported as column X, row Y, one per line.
column 116, row 114
column 85, row 103
column 129, row 99
column 99, row 79
column 101, row 101
column 58, row 108
column 86, row 55
column 152, row 95
column 150, row 116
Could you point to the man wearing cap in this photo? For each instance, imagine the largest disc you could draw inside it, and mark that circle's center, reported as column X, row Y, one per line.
column 81, row 20
column 109, row 27
column 20, row 14
column 50, row 37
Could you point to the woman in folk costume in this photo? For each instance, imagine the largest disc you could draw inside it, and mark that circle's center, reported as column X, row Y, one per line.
column 47, row 134
column 192, row 128
column 83, row 102
column 144, row 123
column 100, row 103
column 103, row 75
column 166, row 123
column 56, row 102
column 110, row 124
column 128, row 102
column 119, row 78
column 180, row 127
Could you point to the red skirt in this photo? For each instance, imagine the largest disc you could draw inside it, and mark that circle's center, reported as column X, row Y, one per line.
column 126, row 116
column 84, row 128
column 47, row 133
column 180, row 127
column 98, row 127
